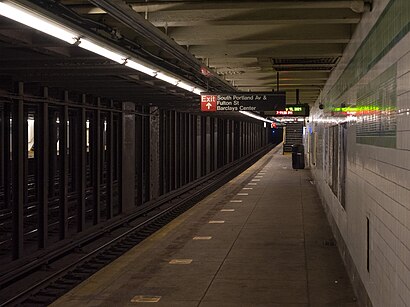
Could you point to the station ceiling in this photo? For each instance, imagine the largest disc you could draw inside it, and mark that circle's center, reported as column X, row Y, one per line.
column 246, row 46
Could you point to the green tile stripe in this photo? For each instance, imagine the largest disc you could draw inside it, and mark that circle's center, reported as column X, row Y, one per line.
column 391, row 27
column 380, row 98
column 379, row 141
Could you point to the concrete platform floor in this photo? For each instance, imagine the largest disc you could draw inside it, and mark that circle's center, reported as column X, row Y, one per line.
column 267, row 249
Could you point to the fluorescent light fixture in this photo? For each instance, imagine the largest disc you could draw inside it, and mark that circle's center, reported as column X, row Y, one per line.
column 167, row 78
column 36, row 21
column 100, row 50
column 141, row 67
column 44, row 24
column 164, row 77
column 253, row 115
column 198, row 91
column 185, row 86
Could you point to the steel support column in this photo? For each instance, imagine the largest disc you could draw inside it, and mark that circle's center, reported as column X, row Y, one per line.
column 96, row 150
column 232, row 138
column 128, row 157
column 251, row 134
column 242, row 139
column 215, row 144
column 63, row 170
column 163, row 152
column 228, row 141
column 7, row 156
column 18, row 173
column 2, row 140
column 154, row 153
column 203, row 146
column 41, row 141
column 198, row 146
column 118, row 162
column 81, row 147
column 239, row 139
column 194, row 147
column 236, row 140
column 167, row 150
column 248, row 138
column 189, row 148
column 218, row 143
column 177, row 150
column 146, row 166
column 172, row 154
column 110, row 165
column 52, row 154
column 139, row 151
column 182, row 145
column 208, row 145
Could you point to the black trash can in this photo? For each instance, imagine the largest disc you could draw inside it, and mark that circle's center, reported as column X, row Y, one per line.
column 298, row 156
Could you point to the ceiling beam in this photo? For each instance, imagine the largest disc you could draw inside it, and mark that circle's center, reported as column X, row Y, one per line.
column 268, row 41
column 189, row 18
column 253, row 16
column 282, row 83
column 272, row 76
column 285, row 87
column 238, row 33
column 357, row 6
column 217, row 54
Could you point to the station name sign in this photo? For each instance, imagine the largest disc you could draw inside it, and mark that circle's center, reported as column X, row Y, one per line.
column 257, row 101
column 291, row 110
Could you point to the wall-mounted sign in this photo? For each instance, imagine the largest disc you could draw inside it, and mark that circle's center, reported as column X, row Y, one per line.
column 361, row 111
column 291, row 110
column 215, row 102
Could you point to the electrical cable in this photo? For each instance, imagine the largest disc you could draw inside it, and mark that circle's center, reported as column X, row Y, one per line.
column 134, row 47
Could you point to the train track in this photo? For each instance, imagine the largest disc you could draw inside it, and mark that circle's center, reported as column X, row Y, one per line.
column 31, row 209
column 117, row 239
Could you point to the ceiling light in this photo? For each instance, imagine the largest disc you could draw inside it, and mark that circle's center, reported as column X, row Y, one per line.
column 37, row 21
column 140, row 67
column 250, row 114
column 186, row 86
column 100, row 50
column 190, row 87
column 44, row 24
column 198, row 91
column 167, row 78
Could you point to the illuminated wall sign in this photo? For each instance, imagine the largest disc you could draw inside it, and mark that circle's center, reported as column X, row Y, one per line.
column 287, row 112
column 360, row 111
column 208, row 103
column 291, row 110
column 215, row 102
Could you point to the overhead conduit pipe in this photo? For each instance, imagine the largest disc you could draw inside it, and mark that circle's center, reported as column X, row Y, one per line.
column 359, row 6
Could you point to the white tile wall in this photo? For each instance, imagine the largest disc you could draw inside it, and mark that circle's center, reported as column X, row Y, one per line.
column 378, row 184
column 403, row 63
column 403, row 140
column 403, row 82
column 367, row 22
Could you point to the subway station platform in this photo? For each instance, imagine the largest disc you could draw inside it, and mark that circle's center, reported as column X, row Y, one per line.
column 261, row 240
